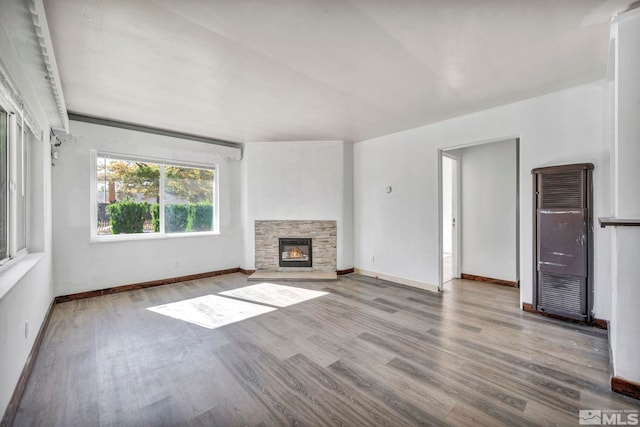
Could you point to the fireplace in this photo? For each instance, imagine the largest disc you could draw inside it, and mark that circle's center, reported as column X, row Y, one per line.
column 321, row 233
column 295, row 252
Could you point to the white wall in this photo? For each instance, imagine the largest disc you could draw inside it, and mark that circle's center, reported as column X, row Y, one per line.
column 401, row 229
column 489, row 201
column 309, row 180
column 26, row 285
column 345, row 233
column 29, row 298
column 625, row 342
column 81, row 265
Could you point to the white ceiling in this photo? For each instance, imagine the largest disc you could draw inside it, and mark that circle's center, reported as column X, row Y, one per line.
column 273, row 70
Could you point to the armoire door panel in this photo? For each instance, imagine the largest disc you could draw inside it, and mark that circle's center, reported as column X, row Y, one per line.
column 562, row 237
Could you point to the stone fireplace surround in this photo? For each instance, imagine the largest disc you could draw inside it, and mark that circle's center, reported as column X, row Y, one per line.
column 322, row 232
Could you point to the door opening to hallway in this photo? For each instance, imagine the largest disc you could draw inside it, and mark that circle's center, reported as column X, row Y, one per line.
column 480, row 225
column 449, row 218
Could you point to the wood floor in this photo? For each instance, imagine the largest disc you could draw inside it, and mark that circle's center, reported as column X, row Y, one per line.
column 361, row 352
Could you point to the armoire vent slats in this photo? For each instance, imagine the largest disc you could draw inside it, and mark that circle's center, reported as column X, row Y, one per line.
column 560, row 293
column 563, row 260
column 562, row 190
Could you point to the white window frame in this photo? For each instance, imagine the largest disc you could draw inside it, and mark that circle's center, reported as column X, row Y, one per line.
column 17, row 151
column 23, row 156
column 93, row 198
column 7, row 196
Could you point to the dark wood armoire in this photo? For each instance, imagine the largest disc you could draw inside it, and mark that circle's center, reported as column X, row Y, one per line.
column 563, row 240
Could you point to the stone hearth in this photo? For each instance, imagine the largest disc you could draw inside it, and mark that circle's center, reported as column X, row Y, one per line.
column 322, row 233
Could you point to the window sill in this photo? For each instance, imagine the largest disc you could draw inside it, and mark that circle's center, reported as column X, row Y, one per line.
column 115, row 238
column 13, row 271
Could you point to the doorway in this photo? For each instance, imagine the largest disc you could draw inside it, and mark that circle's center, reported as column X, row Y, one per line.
column 479, row 213
column 450, row 204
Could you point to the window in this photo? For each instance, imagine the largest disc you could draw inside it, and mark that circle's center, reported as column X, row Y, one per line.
column 152, row 197
column 15, row 139
column 4, row 186
column 22, row 162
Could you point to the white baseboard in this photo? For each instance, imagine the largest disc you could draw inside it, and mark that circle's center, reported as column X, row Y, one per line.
column 400, row 280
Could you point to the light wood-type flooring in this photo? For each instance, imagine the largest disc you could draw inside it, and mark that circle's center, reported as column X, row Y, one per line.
column 356, row 352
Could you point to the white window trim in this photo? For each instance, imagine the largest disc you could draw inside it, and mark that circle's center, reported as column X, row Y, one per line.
column 15, row 152
column 21, row 156
column 8, row 216
column 93, row 211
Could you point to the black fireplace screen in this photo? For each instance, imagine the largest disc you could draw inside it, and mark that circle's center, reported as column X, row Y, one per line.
column 295, row 252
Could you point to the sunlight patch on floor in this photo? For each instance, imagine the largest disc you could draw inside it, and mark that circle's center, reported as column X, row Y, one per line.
column 272, row 294
column 211, row 311
column 214, row 311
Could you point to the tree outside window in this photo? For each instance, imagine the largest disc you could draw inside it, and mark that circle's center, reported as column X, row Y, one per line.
column 131, row 200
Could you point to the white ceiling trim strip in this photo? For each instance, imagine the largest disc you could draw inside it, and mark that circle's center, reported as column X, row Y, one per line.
column 41, row 27
column 225, row 150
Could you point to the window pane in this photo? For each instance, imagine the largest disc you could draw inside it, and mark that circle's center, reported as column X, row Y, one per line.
column 21, row 188
column 188, row 199
column 127, row 196
column 4, row 190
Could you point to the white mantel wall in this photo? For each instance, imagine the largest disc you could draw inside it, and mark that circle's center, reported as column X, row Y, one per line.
column 81, row 265
column 396, row 234
column 309, row 180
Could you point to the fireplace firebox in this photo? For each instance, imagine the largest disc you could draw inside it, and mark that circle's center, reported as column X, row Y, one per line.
column 295, row 252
